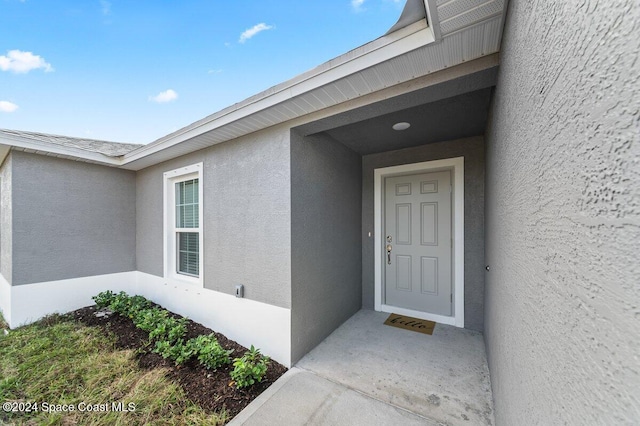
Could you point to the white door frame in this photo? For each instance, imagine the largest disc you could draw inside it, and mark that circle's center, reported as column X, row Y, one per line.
column 456, row 165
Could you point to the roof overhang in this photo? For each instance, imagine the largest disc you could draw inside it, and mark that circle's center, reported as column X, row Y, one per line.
column 19, row 143
column 292, row 99
column 453, row 39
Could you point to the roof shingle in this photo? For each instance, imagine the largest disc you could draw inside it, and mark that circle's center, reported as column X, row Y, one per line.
column 110, row 149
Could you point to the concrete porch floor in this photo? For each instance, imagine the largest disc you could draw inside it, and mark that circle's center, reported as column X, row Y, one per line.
column 368, row 373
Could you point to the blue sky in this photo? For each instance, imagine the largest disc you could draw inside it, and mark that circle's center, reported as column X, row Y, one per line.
column 133, row 71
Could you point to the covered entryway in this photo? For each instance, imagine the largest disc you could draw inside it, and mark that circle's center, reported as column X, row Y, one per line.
column 447, row 119
column 340, row 165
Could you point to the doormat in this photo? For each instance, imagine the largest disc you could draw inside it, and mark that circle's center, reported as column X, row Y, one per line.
column 410, row 323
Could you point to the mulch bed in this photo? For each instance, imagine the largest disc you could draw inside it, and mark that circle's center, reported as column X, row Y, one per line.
column 209, row 389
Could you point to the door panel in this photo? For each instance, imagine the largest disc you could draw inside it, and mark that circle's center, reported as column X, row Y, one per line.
column 429, row 275
column 429, row 224
column 403, row 223
column 418, row 218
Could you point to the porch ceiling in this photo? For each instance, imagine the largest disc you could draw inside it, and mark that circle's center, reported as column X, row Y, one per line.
column 447, row 119
column 453, row 109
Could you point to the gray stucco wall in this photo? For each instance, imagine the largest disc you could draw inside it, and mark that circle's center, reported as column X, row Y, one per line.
column 563, row 216
column 473, row 151
column 5, row 219
column 70, row 219
column 246, row 216
column 326, row 254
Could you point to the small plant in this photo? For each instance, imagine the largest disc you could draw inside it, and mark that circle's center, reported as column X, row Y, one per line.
column 160, row 325
column 135, row 304
column 169, row 329
column 179, row 352
column 249, row 369
column 120, row 303
column 209, row 351
column 104, row 299
column 148, row 319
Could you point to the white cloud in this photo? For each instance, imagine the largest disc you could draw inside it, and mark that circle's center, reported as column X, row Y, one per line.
column 357, row 5
column 21, row 62
column 163, row 97
column 105, row 7
column 253, row 31
column 6, row 106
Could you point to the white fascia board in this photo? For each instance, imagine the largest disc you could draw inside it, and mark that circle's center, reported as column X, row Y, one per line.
column 63, row 151
column 432, row 18
column 4, row 151
column 383, row 49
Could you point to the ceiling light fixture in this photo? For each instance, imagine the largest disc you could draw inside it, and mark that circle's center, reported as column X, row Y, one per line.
column 401, row 126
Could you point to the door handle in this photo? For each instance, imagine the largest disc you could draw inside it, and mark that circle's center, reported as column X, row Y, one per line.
column 389, row 248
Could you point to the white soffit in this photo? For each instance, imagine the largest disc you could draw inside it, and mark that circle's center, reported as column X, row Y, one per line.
column 455, row 15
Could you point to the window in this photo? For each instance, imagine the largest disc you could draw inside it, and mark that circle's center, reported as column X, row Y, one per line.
column 183, row 227
column 187, row 219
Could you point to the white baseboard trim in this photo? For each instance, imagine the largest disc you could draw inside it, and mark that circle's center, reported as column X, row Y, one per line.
column 246, row 321
column 5, row 299
column 30, row 302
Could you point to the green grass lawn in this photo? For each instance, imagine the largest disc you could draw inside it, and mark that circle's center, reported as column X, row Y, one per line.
column 3, row 324
column 57, row 361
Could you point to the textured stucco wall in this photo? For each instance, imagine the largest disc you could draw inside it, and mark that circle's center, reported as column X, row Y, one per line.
column 472, row 149
column 326, row 253
column 5, row 219
column 246, row 216
column 70, row 219
column 562, row 298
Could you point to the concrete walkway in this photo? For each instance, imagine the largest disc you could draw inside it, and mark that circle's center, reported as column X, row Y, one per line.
column 368, row 373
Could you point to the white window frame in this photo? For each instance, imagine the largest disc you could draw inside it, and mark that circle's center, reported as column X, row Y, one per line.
column 170, row 261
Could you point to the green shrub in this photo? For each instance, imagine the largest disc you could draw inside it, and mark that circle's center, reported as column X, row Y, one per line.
column 169, row 329
column 120, row 303
column 148, row 319
column 209, row 351
column 104, row 299
column 135, row 304
column 178, row 351
column 249, row 369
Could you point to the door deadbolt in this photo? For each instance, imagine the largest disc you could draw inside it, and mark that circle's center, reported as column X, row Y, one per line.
column 389, row 239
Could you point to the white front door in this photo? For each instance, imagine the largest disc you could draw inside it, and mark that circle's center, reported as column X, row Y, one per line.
column 418, row 243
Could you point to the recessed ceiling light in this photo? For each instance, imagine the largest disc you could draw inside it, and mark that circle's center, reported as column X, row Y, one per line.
column 401, row 126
